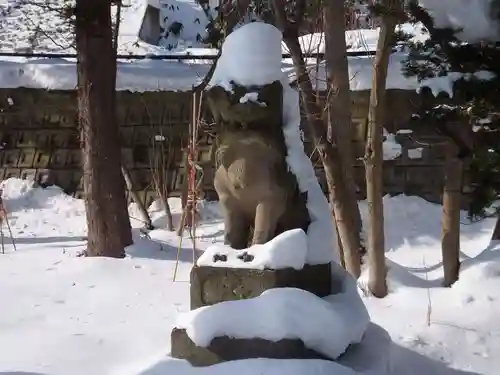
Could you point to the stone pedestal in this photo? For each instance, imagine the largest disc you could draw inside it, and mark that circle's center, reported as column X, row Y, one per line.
column 223, row 349
column 211, row 285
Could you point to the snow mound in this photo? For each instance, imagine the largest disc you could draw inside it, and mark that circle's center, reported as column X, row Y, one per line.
column 328, row 327
column 484, row 268
column 36, row 212
column 261, row 366
column 15, row 188
column 372, row 355
column 391, row 148
column 288, row 250
column 20, row 195
column 253, row 45
column 415, row 153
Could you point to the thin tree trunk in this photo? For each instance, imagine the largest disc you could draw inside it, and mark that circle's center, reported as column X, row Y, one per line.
column 496, row 232
column 161, row 168
column 163, row 186
column 108, row 222
column 329, row 153
column 374, row 158
column 125, row 172
column 339, row 102
column 186, row 211
column 135, row 197
column 452, row 196
column 168, row 213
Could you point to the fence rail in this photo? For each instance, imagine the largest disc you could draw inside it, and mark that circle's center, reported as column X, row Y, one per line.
column 179, row 57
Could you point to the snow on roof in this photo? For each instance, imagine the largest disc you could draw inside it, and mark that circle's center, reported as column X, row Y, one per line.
column 172, row 75
column 138, row 76
column 360, row 40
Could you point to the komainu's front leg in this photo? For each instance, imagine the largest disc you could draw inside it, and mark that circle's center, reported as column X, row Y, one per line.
column 267, row 214
column 236, row 225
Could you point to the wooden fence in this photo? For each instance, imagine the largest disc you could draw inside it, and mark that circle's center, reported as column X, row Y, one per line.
column 38, row 132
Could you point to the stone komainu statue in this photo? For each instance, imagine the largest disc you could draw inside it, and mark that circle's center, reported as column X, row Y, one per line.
column 260, row 197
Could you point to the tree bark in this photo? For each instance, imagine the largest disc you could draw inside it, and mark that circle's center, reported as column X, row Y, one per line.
column 374, row 157
column 329, row 153
column 496, row 231
column 339, row 103
column 146, row 219
column 452, row 196
column 162, row 165
column 107, row 215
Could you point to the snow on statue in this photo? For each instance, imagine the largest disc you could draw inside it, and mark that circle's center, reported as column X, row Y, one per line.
column 265, row 181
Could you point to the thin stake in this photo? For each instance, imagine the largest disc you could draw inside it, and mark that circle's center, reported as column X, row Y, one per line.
column 10, row 232
column 179, row 249
column 4, row 217
column 2, row 239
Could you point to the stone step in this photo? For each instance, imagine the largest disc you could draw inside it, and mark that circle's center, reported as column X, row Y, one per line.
column 211, row 285
column 223, row 349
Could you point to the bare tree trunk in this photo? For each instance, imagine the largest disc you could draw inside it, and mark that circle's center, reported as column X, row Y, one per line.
column 329, row 153
column 125, row 172
column 186, row 211
column 160, row 165
column 496, row 231
column 339, row 102
column 452, row 196
column 374, row 157
column 168, row 213
column 162, row 169
column 163, row 186
column 140, row 205
column 107, row 216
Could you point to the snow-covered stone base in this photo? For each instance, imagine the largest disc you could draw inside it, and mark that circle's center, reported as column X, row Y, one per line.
column 327, row 326
column 224, row 349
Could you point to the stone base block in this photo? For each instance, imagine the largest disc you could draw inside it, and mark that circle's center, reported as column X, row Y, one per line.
column 211, row 285
column 223, row 349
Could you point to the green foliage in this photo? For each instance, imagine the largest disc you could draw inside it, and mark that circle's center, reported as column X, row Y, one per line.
column 486, row 180
column 476, row 98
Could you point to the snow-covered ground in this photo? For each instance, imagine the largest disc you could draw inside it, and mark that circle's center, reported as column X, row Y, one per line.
column 63, row 314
